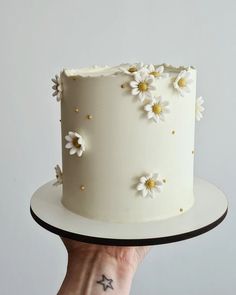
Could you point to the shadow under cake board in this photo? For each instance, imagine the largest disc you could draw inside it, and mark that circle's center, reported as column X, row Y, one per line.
column 209, row 210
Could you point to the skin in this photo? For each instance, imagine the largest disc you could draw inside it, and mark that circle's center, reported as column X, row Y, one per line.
column 87, row 263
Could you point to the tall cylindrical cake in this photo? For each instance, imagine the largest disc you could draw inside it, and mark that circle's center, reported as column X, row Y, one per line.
column 127, row 141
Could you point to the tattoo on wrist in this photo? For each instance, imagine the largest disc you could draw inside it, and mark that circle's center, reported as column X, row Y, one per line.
column 106, row 283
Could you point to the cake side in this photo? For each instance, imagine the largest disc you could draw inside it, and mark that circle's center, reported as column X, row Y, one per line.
column 123, row 138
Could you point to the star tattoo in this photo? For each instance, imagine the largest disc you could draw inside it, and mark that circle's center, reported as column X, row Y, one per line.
column 106, row 283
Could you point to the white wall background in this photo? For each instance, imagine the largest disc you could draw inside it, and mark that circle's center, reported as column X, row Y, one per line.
column 37, row 39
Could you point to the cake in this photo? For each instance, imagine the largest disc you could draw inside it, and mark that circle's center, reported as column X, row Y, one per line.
column 127, row 137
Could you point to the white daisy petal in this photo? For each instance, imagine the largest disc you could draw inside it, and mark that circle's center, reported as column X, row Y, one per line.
column 151, row 68
column 149, row 175
column 135, row 91
column 156, row 119
column 144, row 192
column 138, row 77
column 76, row 134
column 142, row 95
column 160, row 69
column 133, row 84
column 72, row 134
column 68, row 138
column 150, row 115
column 73, row 151
column 143, row 179
column 79, row 153
column 69, row 145
column 140, row 186
column 148, row 107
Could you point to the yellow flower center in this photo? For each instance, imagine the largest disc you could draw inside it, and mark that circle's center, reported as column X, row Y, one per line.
column 132, row 69
column 182, row 82
column 143, row 86
column 157, row 109
column 75, row 142
column 150, row 183
column 155, row 74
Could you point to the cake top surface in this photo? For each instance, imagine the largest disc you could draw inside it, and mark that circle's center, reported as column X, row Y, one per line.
column 101, row 71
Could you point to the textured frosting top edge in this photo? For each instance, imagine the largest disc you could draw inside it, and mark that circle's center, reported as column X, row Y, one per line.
column 104, row 71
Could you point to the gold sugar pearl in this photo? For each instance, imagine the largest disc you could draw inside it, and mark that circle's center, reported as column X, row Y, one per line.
column 76, row 110
column 82, row 187
column 192, row 151
column 89, row 117
column 122, row 85
column 164, row 180
column 181, row 209
column 173, row 132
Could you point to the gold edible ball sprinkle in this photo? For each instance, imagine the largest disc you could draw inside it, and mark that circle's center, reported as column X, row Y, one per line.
column 76, row 110
column 82, row 187
column 173, row 132
column 164, row 180
column 181, row 209
column 90, row 117
column 193, row 152
column 122, row 85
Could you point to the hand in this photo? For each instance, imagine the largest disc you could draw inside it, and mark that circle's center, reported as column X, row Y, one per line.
column 129, row 256
column 93, row 269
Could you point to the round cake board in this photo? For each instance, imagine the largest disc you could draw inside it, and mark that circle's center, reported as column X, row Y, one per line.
column 209, row 210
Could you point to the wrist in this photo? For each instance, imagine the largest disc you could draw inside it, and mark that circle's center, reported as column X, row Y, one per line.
column 94, row 273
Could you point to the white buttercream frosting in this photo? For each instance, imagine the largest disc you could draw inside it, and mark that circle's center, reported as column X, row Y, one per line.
column 97, row 71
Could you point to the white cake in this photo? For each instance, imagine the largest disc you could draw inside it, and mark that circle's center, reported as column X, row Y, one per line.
column 127, row 141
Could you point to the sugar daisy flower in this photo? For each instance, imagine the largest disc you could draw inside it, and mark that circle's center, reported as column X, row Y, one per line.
column 134, row 68
column 182, row 82
column 157, row 109
column 58, row 175
column 57, row 87
column 149, row 185
column 75, row 143
column 199, row 109
column 157, row 72
column 142, row 85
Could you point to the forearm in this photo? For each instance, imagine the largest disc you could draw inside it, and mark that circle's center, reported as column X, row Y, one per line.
column 96, row 273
